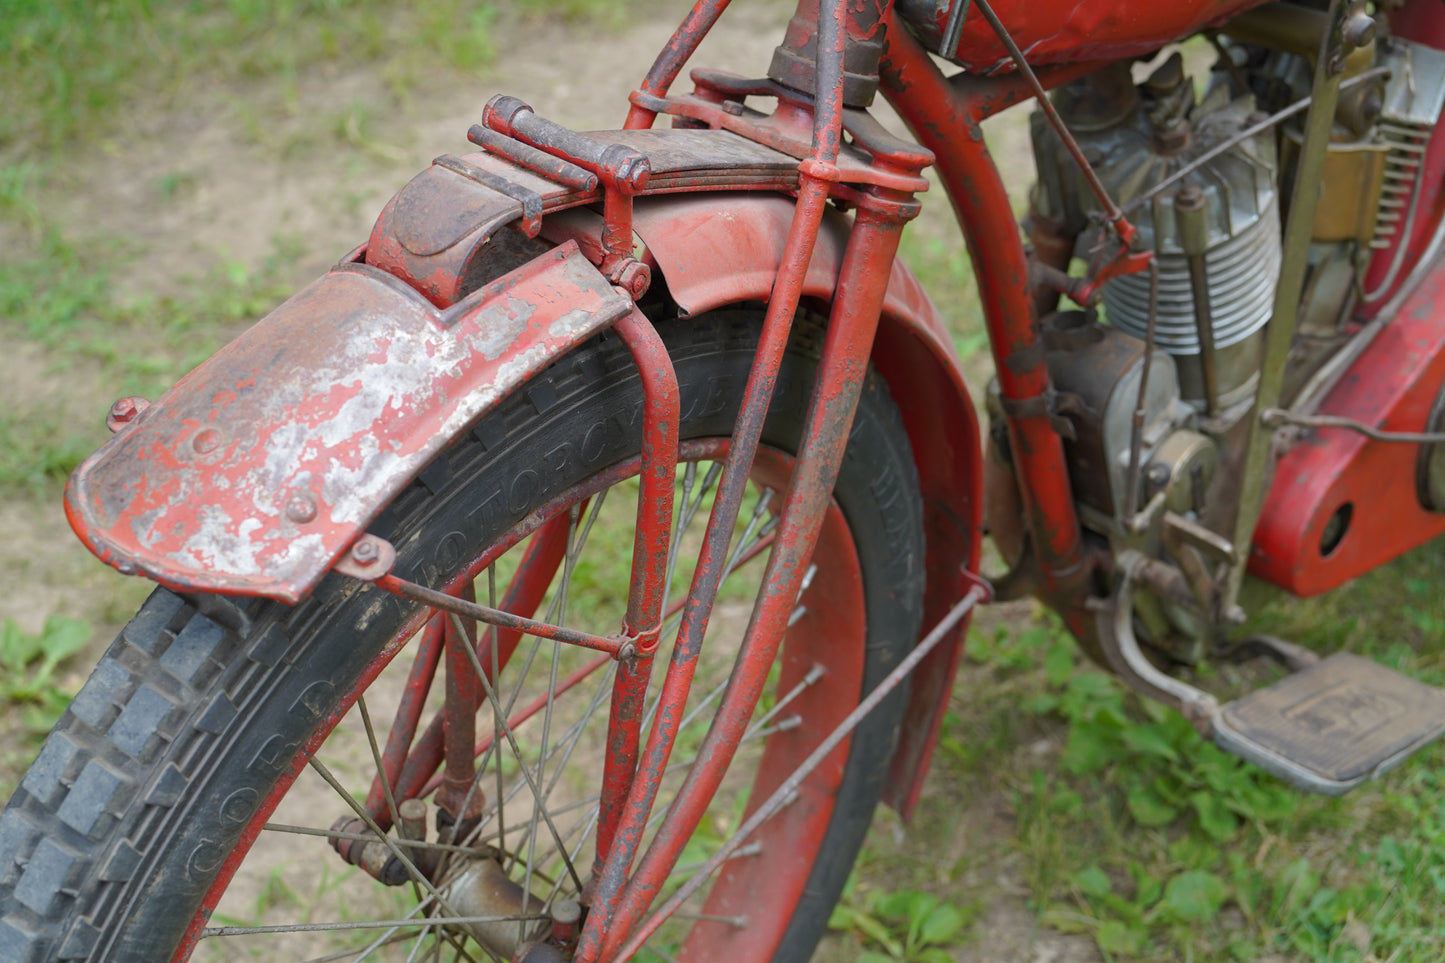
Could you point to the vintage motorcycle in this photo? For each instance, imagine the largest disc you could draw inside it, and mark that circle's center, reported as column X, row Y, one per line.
column 647, row 445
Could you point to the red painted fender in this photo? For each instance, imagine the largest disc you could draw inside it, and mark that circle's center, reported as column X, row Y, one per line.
column 258, row 469
column 720, row 249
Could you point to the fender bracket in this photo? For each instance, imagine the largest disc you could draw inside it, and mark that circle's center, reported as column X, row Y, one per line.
column 258, row 470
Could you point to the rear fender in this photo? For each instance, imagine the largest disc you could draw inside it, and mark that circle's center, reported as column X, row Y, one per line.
column 716, row 250
column 256, row 471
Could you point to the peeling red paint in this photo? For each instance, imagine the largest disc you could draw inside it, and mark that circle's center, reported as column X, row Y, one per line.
column 343, row 393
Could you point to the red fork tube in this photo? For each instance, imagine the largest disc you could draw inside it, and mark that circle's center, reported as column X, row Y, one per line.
column 812, row 198
column 814, row 181
column 464, row 695
column 851, row 328
column 669, row 62
column 661, row 410
column 945, row 121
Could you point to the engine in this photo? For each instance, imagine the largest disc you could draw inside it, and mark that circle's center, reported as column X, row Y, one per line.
column 1205, row 178
column 1216, row 233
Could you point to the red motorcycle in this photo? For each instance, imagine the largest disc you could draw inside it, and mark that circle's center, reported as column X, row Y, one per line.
column 623, row 496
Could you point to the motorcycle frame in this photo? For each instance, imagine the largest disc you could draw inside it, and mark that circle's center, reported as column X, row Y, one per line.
column 944, row 115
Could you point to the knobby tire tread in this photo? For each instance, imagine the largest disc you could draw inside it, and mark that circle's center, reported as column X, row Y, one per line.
column 161, row 760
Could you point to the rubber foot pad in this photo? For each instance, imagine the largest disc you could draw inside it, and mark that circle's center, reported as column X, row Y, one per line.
column 1331, row 726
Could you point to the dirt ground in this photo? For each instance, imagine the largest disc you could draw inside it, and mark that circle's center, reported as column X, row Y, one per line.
column 189, row 190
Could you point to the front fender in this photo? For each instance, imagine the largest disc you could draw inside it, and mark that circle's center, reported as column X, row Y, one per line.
column 257, row 470
column 720, row 249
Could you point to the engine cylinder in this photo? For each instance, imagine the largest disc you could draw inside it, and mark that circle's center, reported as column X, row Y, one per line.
column 1218, row 255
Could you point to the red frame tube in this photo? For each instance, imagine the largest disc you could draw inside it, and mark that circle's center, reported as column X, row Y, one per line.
column 648, row 585
column 944, row 115
column 852, row 325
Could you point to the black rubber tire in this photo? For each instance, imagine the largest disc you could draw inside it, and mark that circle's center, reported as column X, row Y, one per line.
column 148, row 780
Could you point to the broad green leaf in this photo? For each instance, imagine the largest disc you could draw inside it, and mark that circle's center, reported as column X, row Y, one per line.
column 1148, row 808
column 1118, row 937
column 1093, row 881
column 1147, row 888
column 1194, row 894
column 905, row 904
column 1151, row 741
column 1215, row 816
column 879, row 933
column 1059, row 662
column 941, row 925
column 15, row 650
column 1087, row 750
column 64, row 637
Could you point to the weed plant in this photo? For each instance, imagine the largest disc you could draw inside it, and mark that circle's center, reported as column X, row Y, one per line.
column 1127, row 828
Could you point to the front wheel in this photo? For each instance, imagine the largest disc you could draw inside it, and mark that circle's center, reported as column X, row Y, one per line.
column 198, row 798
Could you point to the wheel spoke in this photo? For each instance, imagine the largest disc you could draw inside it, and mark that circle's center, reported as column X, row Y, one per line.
column 376, row 758
column 526, row 773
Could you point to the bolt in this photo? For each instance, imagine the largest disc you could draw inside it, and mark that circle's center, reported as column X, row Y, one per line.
column 635, row 278
column 206, row 440
column 124, row 411
column 566, row 911
column 734, row 107
column 365, row 552
column 1359, row 29
column 1189, row 198
column 301, row 509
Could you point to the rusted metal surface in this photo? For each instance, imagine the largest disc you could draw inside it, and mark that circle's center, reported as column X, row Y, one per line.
column 780, row 798
column 944, row 116
column 419, row 758
column 435, row 233
column 335, row 400
column 853, row 322
column 405, row 722
column 647, row 587
column 757, row 395
column 1059, row 31
column 617, row 647
column 796, row 60
column 459, row 801
column 714, row 255
column 670, row 59
column 481, row 890
column 1308, row 540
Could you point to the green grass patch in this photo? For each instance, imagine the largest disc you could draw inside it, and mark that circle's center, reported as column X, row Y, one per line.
column 1155, row 844
column 74, row 70
column 29, row 688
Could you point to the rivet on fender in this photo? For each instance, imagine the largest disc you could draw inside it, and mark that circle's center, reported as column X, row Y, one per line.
column 207, row 440
column 301, row 509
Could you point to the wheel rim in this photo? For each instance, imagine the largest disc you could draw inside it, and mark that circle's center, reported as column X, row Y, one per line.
column 818, row 680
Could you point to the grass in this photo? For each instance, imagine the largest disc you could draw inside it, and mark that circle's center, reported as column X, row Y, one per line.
column 1132, row 832
column 1121, row 827
column 74, row 70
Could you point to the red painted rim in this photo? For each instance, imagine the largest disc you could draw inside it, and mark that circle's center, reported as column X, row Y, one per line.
column 763, row 889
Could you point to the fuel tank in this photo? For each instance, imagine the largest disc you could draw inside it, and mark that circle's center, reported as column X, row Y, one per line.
column 1060, row 31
